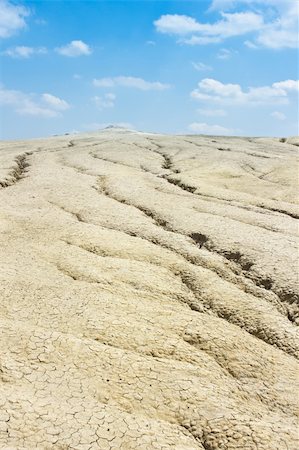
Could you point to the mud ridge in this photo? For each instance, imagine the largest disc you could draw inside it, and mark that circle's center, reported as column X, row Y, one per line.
column 133, row 313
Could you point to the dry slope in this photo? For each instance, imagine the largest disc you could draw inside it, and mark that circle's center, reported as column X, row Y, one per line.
column 148, row 293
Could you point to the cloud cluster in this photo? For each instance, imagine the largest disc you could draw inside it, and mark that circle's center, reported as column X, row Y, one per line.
column 210, row 90
column 46, row 105
column 74, row 48
column 24, row 52
column 131, row 82
column 277, row 29
column 12, row 18
column 234, row 24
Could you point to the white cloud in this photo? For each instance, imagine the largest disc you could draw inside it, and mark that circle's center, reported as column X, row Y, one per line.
column 280, row 31
column 132, row 82
column 213, row 90
column 74, row 48
column 287, row 85
column 278, row 115
column 107, row 101
column 231, row 24
column 201, row 67
column 30, row 108
column 22, row 51
column 276, row 37
column 31, row 104
column 104, row 82
column 225, row 53
column 212, row 112
column 204, row 128
column 76, row 76
column 12, row 18
column 176, row 24
column 153, row 43
column 275, row 25
column 55, row 102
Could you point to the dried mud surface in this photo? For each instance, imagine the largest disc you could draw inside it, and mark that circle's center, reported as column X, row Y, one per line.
column 149, row 293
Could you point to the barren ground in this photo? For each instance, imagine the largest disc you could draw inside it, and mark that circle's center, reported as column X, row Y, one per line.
column 148, row 293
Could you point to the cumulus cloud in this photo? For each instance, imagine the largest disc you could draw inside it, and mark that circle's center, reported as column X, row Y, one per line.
column 287, row 85
column 278, row 115
column 74, row 48
column 201, row 67
column 275, row 25
column 231, row 24
column 12, row 18
column 213, row 90
column 278, row 36
column 30, row 108
column 176, row 24
column 282, row 32
column 55, row 102
column 204, row 128
column 107, row 101
column 46, row 105
column 132, row 82
column 24, row 52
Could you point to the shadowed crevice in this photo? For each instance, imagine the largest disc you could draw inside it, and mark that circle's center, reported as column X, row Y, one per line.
column 18, row 172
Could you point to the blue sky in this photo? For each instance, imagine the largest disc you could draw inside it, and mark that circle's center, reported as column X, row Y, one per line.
column 227, row 67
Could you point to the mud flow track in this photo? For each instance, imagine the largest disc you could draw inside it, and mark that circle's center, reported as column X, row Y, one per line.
column 148, row 293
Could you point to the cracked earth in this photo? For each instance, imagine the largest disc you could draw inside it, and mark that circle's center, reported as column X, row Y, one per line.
column 149, row 293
